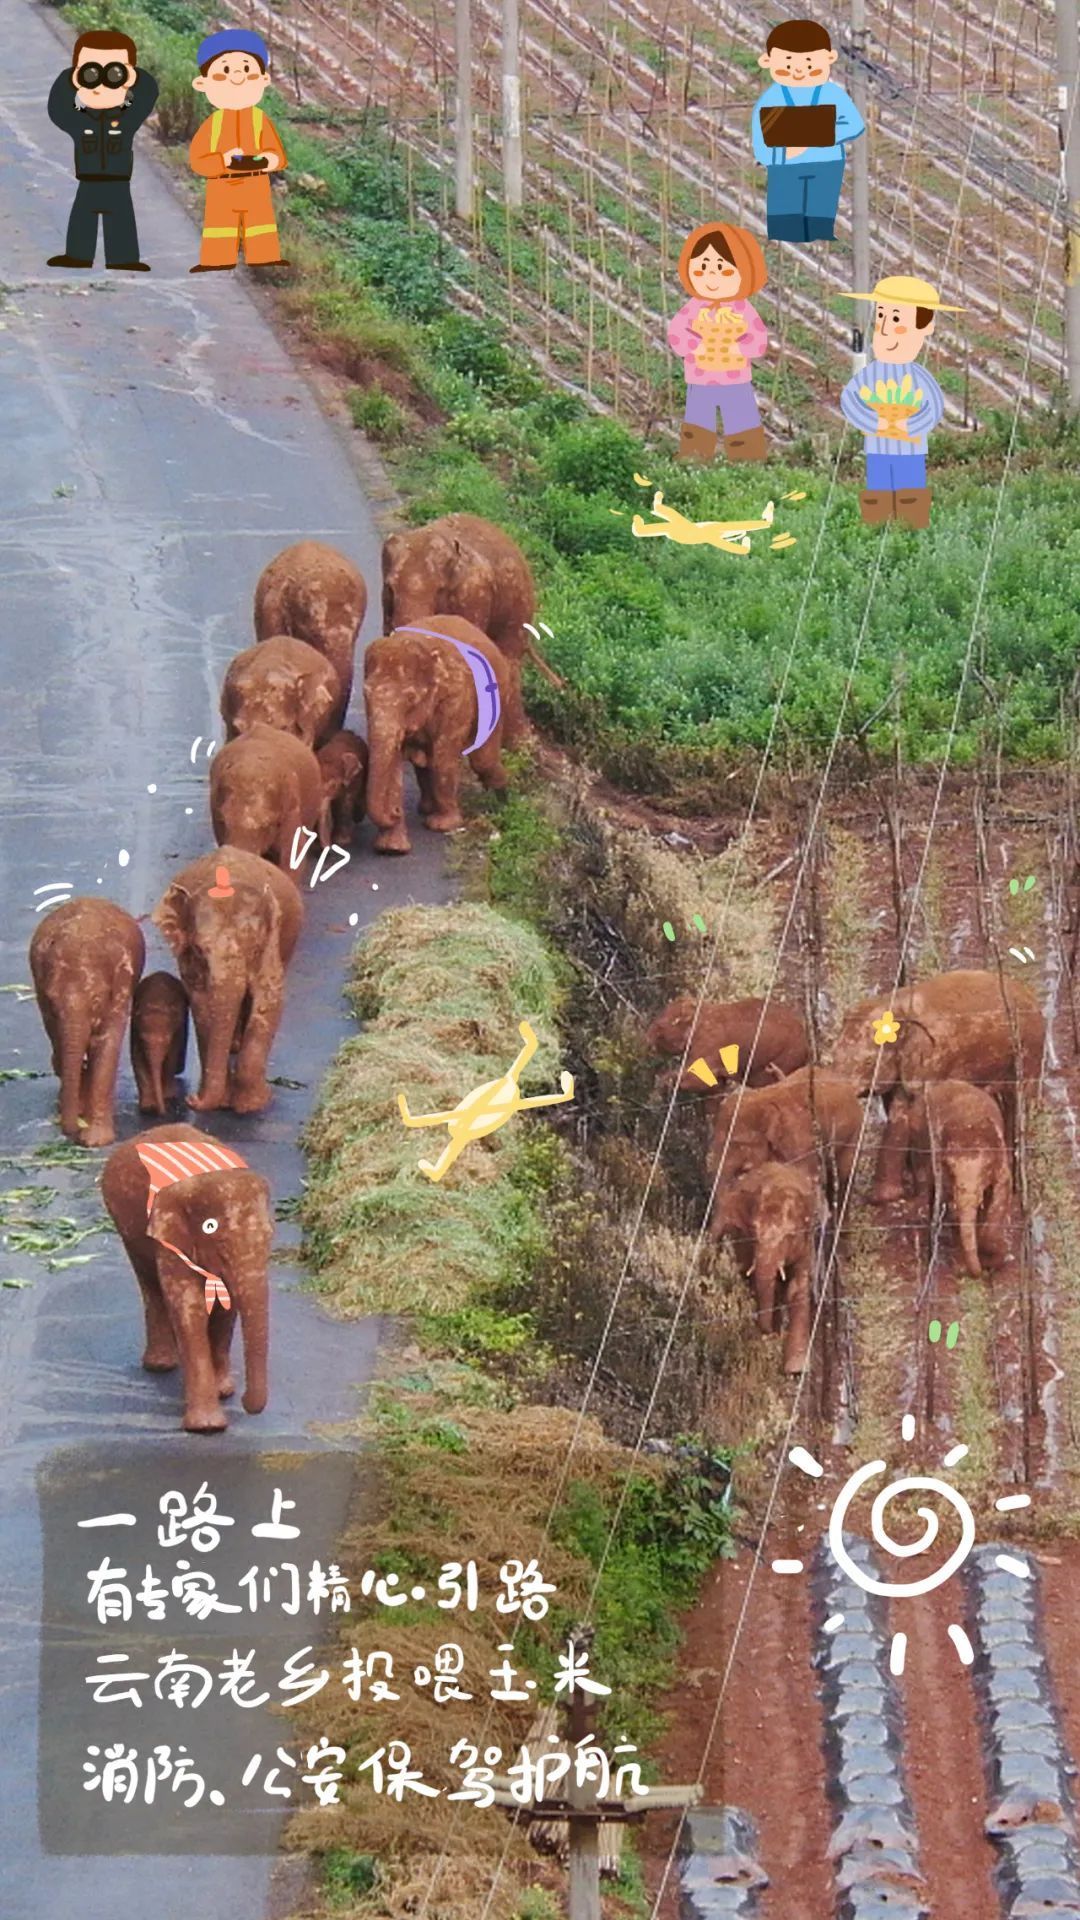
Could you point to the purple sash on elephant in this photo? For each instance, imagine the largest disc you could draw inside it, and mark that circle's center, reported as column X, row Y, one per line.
column 487, row 687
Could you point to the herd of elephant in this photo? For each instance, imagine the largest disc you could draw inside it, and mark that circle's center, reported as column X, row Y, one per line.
column 783, row 1144
column 290, row 762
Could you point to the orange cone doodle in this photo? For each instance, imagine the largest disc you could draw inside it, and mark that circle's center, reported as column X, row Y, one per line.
column 486, row 1109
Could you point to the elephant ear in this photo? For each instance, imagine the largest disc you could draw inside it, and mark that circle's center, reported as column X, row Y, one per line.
column 270, row 971
column 170, row 916
column 317, row 694
column 169, row 1214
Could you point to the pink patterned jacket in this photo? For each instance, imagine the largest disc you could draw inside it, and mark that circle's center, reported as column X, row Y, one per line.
column 683, row 340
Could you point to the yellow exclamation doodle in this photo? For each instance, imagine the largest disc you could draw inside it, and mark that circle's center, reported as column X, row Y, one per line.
column 703, row 1071
column 729, row 1059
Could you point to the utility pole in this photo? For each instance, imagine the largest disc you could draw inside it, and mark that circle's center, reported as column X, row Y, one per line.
column 463, row 109
column 513, row 191
column 1068, row 54
column 581, row 1809
column 860, row 178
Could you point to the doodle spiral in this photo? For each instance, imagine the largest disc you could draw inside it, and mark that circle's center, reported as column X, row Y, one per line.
column 900, row 1550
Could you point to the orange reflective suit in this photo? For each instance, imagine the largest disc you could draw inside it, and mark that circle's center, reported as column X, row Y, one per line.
column 238, row 205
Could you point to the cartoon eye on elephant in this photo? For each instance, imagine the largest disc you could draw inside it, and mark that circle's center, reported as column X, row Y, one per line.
column 202, row 1227
column 424, row 705
column 775, row 1123
column 311, row 592
column 286, row 684
column 264, row 786
column 771, row 1039
column 962, row 1162
column 956, row 1025
column 463, row 565
column 770, row 1215
column 85, row 958
column 232, row 954
column 159, row 1028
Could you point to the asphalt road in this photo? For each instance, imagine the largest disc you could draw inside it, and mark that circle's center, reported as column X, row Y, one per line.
column 158, row 447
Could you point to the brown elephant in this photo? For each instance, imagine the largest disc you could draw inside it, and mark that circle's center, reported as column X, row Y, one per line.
column 961, row 1159
column 264, row 785
column 312, row 593
column 423, row 703
column 465, row 566
column 286, row 684
column 343, row 764
column 770, row 1215
column 183, row 1229
column 85, row 958
column 232, row 948
column 775, row 1123
column 954, row 1026
column 771, row 1039
column 159, row 1029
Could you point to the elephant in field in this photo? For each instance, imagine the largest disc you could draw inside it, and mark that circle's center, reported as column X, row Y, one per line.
column 159, row 1029
column 770, row 1215
column 955, row 1026
column 264, row 785
column 85, row 958
column 425, row 703
column 463, row 565
column 197, row 1225
column 284, row 683
column 232, row 948
column 961, row 1159
column 311, row 592
column 778, row 1048
column 343, row 765
column 776, row 1123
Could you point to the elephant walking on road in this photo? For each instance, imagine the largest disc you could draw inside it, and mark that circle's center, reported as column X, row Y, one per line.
column 197, row 1225
column 311, row 592
column 159, row 1029
column 85, row 958
column 232, row 948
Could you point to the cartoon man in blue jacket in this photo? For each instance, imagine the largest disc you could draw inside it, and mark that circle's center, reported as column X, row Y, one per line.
column 803, row 180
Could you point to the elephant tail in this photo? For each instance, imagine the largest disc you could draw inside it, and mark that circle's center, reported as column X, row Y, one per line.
column 554, row 679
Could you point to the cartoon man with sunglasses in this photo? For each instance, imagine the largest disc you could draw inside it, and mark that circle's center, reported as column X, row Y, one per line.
column 102, row 101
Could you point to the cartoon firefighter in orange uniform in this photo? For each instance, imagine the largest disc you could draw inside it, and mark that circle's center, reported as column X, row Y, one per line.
column 235, row 151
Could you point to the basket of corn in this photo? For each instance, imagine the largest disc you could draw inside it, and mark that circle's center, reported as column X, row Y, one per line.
column 894, row 402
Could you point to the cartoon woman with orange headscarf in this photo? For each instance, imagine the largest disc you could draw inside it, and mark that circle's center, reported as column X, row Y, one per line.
column 718, row 335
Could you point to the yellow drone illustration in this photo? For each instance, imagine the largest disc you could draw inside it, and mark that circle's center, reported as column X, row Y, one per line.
column 486, row 1109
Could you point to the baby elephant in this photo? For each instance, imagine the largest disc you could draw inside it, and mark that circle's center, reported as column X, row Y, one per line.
column 434, row 692
column 958, row 1140
column 159, row 1028
column 770, row 1038
column 85, row 958
column 264, row 786
column 343, row 765
column 285, row 683
column 312, row 593
column 769, row 1216
column 196, row 1224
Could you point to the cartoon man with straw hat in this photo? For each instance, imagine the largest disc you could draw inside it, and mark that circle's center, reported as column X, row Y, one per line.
column 896, row 409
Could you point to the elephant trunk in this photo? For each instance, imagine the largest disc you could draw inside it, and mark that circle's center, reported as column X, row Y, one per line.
column 216, row 1014
column 967, row 1213
column 253, row 1306
column 385, row 805
column 74, row 1041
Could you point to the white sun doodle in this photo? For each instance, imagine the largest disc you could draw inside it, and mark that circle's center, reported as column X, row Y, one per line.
column 902, row 1550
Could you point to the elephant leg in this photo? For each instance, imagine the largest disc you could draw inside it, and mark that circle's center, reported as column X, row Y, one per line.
column 797, row 1336
column 444, row 773
column 250, row 1092
column 215, row 1016
column 426, row 789
column 52, row 1029
column 104, row 1064
column 993, row 1228
column 159, row 1355
column 386, row 800
column 893, row 1152
column 221, row 1329
column 74, row 1041
column 146, row 1067
column 184, row 1297
column 487, row 765
column 515, row 723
